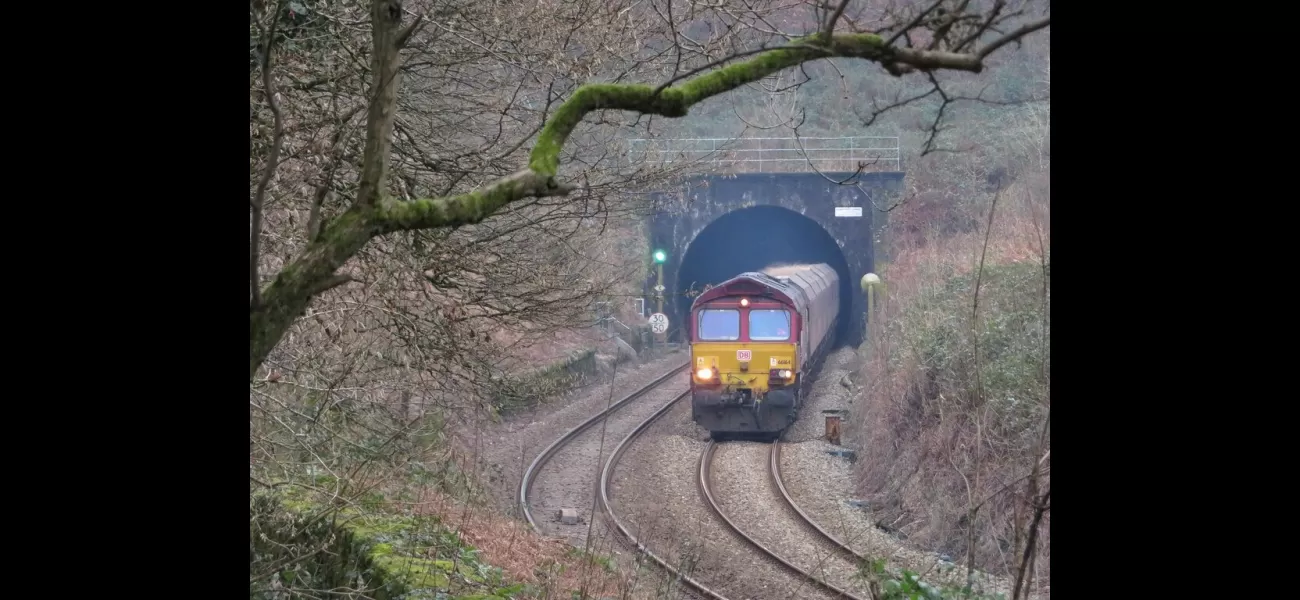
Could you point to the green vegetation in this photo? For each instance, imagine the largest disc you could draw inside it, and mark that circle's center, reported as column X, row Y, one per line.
column 385, row 557
column 958, row 418
column 527, row 389
column 591, row 558
column 1012, row 359
column 907, row 585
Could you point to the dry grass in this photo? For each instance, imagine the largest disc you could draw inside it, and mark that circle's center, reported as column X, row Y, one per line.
column 930, row 241
column 525, row 556
column 948, row 425
column 550, row 566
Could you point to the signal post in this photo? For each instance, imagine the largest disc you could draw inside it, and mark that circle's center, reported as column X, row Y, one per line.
column 659, row 320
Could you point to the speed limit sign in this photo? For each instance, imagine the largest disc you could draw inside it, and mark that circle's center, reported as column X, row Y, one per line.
column 658, row 322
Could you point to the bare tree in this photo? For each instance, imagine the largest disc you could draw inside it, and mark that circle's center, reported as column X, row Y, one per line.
column 958, row 41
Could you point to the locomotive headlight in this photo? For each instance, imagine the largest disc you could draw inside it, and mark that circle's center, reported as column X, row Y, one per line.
column 786, row 374
column 705, row 373
column 744, row 301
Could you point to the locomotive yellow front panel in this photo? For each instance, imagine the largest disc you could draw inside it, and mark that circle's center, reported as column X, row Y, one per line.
column 738, row 365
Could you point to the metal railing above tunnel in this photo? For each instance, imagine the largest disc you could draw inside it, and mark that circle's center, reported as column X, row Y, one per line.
column 773, row 154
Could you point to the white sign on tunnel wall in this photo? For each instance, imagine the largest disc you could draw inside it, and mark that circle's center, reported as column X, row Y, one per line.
column 848, row 211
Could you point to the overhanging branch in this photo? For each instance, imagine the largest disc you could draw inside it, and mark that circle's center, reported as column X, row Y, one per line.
column 539, row 178
column 675, row 101
column 465, row 209
column 314, row 271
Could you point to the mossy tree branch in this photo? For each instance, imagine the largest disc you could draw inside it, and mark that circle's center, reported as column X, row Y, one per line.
column 292, row 290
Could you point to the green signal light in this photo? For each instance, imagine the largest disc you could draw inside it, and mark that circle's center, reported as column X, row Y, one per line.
column 660, row 256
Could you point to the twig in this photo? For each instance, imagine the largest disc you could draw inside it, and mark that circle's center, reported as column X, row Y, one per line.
column 318, row 202
column 946, row 23
column 405, row 35
column 916, row 21
column 1014, row 36
column 988, row 23
column 979, row 385
column 1040, row 508
column 835, row 16
column 600, row 453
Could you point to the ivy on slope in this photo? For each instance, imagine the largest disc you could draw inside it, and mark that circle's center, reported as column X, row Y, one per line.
column 382, row 556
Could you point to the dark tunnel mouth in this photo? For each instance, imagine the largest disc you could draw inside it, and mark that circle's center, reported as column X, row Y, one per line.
column 752, row 238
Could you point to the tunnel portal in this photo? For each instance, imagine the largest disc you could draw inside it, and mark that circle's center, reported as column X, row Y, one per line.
column 713, row 227
column 750, row 239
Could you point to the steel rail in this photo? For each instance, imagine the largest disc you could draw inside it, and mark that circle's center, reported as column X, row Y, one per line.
column 775, row 470
column 620, row 526
column 530, row 474
column 705, row 482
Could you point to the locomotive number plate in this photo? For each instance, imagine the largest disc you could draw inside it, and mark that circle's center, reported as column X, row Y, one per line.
column 744, row 355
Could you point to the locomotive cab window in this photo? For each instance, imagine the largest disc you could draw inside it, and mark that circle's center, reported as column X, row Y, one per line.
column 769, row 325
column 719, row 325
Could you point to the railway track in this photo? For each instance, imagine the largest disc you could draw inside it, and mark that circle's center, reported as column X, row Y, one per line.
column 622, row 528
column 531, row 474
column 774, row 470
column 705, row 486
column 843, row 548
column 535, row 468
column 707, row 491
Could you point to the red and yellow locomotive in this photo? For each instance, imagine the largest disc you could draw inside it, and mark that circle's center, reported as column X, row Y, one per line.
column 754, row 339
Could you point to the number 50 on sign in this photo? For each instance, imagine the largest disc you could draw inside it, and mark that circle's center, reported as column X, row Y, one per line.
column 658, row 322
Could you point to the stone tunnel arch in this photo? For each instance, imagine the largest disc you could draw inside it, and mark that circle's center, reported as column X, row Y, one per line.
column 789, row 215
column 755, row 237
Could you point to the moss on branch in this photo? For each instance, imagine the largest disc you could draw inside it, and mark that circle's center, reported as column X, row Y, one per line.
column 464, row 209
column 461, row 209
column 675, row 101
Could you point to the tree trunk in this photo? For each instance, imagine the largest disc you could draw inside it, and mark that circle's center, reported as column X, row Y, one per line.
column 312, row 273
column 385, row 17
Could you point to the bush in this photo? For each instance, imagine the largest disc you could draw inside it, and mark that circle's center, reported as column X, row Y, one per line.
column 955, row 402
column 1011, row 370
